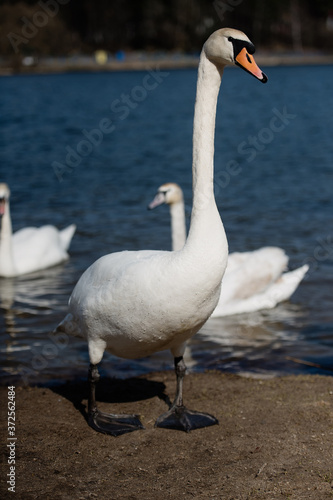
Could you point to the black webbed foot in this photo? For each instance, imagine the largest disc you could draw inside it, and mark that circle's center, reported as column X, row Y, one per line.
column 179, row 417
column 115, row 425
column 182, row 419
column 106, row 423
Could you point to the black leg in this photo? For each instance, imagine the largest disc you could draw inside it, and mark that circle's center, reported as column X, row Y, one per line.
column 179, row 417
column 115, row 425
column 93, row 378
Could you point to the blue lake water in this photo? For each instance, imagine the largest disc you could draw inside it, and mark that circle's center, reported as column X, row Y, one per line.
column 274, row 182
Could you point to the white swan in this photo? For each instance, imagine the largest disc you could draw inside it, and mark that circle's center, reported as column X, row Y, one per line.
column 30, row 249
column 252, row 280
column 138, row 303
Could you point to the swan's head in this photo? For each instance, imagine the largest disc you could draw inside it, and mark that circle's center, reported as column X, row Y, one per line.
column 4, row 197
column 228, row 46
column 169, row 193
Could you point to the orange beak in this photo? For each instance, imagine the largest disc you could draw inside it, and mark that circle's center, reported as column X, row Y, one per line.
column 247, row 62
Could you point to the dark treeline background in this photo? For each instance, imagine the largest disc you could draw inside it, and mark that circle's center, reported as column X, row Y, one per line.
column 66, row 27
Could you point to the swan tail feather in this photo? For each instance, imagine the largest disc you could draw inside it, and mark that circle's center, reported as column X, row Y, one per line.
column 69, row 326
column 291, row 280
column 66, row 236
column 278, row 292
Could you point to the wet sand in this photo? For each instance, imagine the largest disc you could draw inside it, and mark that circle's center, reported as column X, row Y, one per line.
column 274, row 440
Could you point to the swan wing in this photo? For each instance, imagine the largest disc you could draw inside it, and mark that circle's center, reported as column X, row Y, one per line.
column 250, row 273
column 37, row 248
column 277, row 292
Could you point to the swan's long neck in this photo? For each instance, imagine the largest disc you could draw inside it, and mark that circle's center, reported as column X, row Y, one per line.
column 208, row 85
column 206, row 235
column 178, row 225
column 7, row 266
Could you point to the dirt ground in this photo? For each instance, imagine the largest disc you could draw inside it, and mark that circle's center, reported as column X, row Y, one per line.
column 274, row 441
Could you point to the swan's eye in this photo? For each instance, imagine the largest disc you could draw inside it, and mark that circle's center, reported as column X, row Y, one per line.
column 250, row 47
column 230, row 39
column 239, row 45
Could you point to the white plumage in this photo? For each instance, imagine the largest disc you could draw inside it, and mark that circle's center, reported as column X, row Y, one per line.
column 30, row 249
column 137, row 303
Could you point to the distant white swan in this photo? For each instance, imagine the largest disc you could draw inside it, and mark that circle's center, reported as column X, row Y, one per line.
column 252, row 280
column 30, row 249
column 138, row 303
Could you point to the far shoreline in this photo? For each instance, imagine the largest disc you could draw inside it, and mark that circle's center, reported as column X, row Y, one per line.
column 146, row 62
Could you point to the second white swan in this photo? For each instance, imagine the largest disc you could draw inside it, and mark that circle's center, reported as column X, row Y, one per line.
column 252, row 280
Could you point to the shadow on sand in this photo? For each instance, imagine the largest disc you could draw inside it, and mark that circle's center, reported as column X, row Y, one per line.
column 112, row 391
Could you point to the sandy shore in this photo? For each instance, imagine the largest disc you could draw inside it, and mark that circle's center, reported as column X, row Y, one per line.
column 274, row 441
